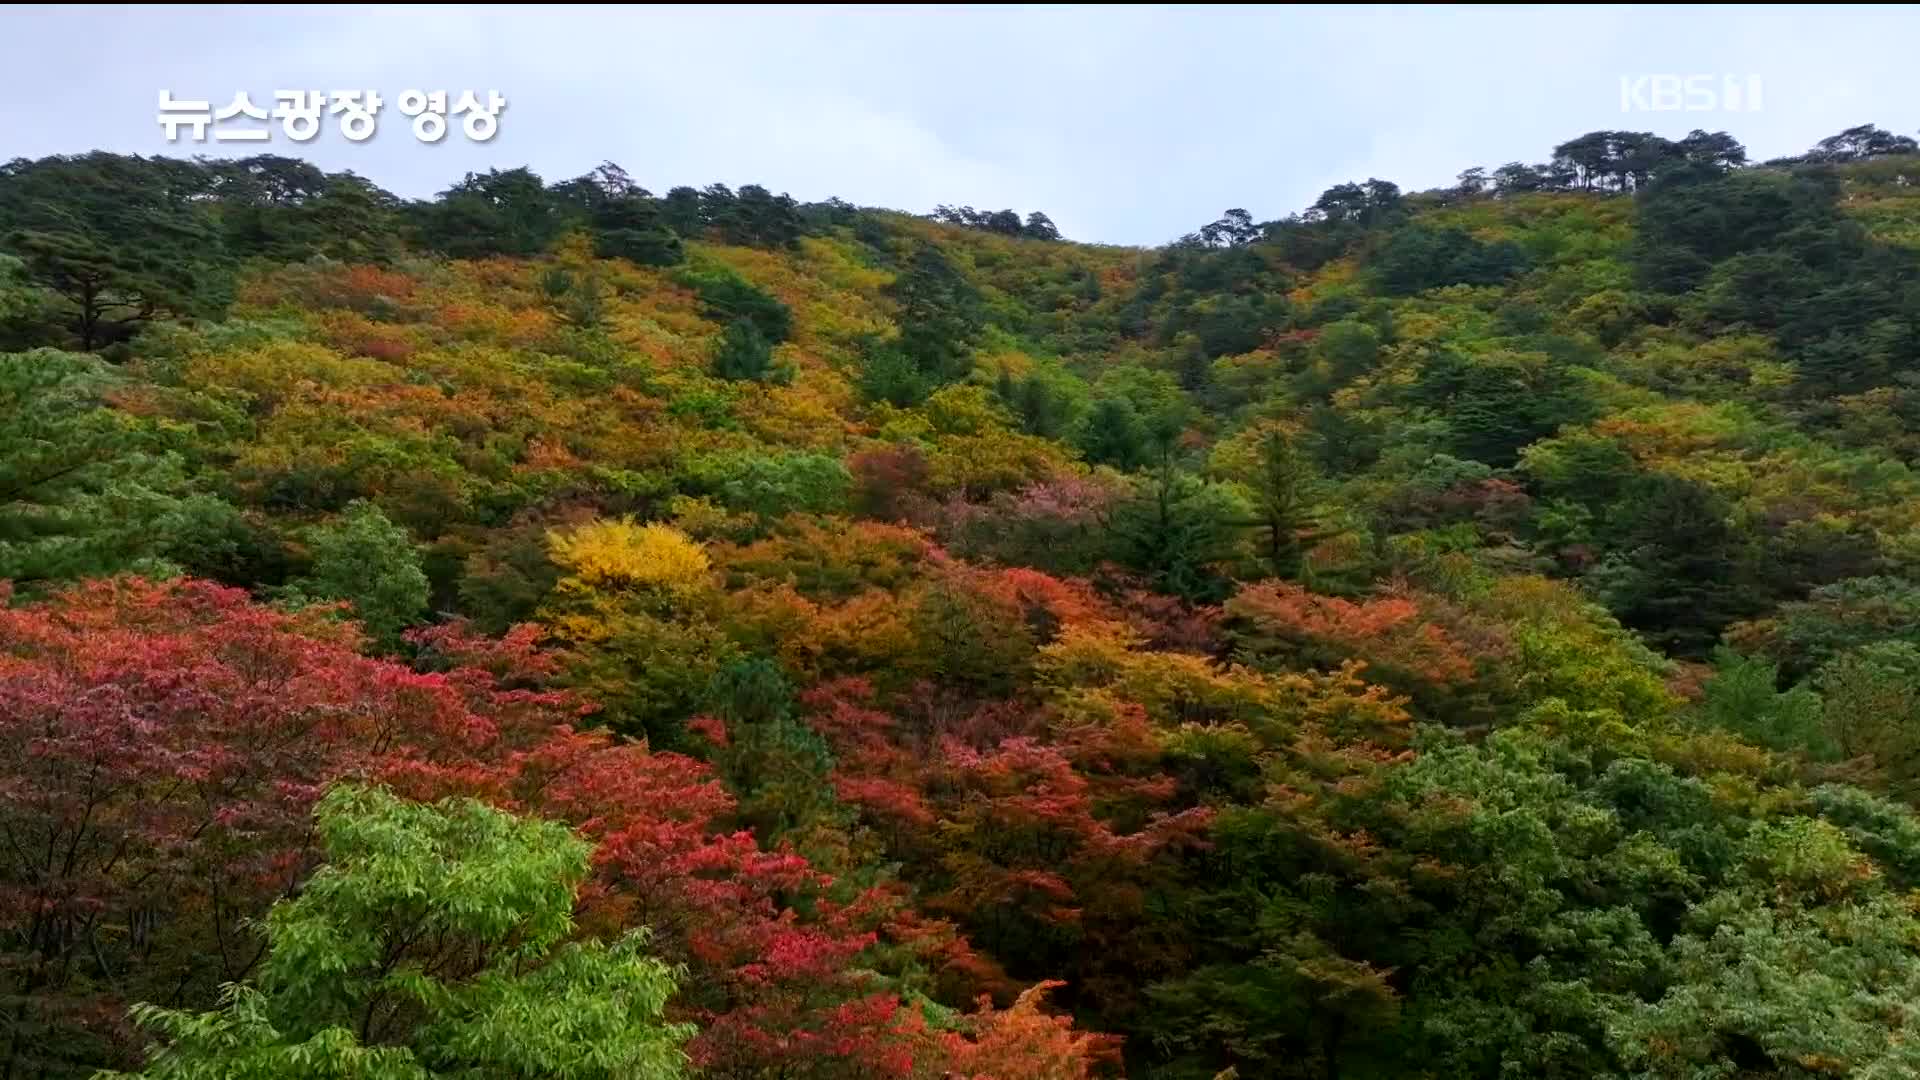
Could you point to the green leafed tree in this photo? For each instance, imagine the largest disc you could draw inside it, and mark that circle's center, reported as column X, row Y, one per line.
column 370, row 562
column 436, row 941
column 84, row 488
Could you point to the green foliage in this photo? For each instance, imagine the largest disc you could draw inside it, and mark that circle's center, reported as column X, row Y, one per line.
column 1743, row 697
column 743, row 352
column 939, row 317
column 1047, row 402
column 1114, row 434
column 627, row 222
column 779, row 767
column 1284, row 522
column 1680, row 574
column 1179, row 530
column 84, row 489
column 434, row 942
column 727, row 297
column 117, row 239
column 1872, row 713
column 1758, row 990
column 1417, row 258
column 1838, row 617
column 287, row 209
column 370, row 562
column 493, row 213
column 577, row 295
column 774, row 485
column 1495, row 405
column 940, row 632
column 1137, row 415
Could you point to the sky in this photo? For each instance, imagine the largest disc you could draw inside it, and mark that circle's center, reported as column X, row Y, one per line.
column 1126, row 125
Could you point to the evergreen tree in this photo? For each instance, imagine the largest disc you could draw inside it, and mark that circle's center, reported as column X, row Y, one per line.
column 742, row 353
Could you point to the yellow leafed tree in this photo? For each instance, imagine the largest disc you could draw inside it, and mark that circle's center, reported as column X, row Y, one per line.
column 615, row 555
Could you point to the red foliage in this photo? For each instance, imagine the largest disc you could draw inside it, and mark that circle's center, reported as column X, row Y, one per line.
column 889, row 479
column 1168, row 623
column 161, row 745
column 1495, row 503
column 1042, row 836
column 1389, row 633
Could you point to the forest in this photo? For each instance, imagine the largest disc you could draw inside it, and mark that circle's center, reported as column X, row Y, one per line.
column 558, row 630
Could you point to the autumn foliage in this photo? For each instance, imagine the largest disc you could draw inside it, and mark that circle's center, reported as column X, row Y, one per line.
column 1463, row 633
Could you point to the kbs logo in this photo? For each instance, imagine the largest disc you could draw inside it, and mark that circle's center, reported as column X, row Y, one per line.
column 1690, row 93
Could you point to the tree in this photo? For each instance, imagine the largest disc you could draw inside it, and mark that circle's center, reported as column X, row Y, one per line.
column 634, row 609
column 681, row 210
column 165, row 742
column 743, row 353
column 352, row 220
column 1682, row 567
column 778, row 766
column 1178, row 530
column 122, row 240
column 633, row 227
column 287, row 209
column 1115, row 435
column 1138, row 416
column 1285, row 523
column 1860, row 143
column 626, row 221
column 1234, row 229
column 1516, row 176
column 726, row 296
column 939, row 317
column 1020, row 1043
column 575, row 287
column 1872, row 699
column 1744, row 697
column 1419, row 257
column 432, row 942
column 1717, row 151
column 109, row 292
column 370, row 562
column 84, row 488
column 1344, row 351
column 1040, row 227
column 1366, row 205
column 758, row 218
column 1628, row 160
column 771, row 486
column 497, row 212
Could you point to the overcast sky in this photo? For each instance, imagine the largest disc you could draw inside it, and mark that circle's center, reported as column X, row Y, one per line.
column 1126, row 125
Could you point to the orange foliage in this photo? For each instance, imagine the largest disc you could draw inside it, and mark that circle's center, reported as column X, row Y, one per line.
column 354, row 333
column 1022, row 1043
column 1389, row 632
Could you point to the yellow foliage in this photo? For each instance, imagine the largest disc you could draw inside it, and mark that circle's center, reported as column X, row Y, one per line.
column 271, row 373
column 1174, row 688
column 613, row 555
column 995, row 461
column 964, row 409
